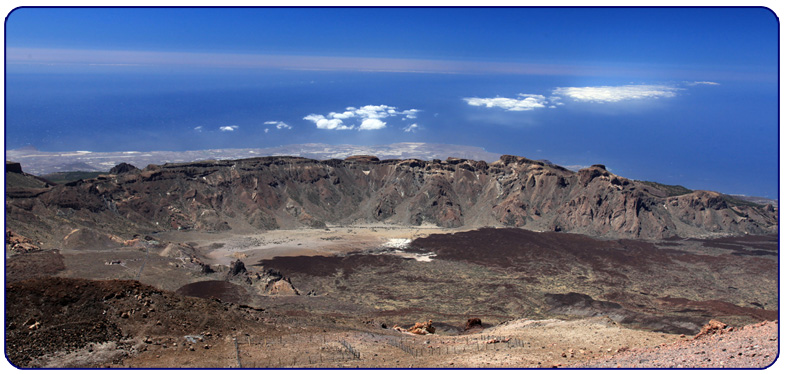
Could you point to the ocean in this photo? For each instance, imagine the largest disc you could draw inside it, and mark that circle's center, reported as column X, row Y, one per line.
column 688, row 139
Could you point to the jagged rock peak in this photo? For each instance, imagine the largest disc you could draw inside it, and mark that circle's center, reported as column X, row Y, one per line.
column 237, row 267
column 122, row 168
column 590, row 173
column 509, row 159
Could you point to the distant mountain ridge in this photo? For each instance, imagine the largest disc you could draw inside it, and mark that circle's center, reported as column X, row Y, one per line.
column 40, row 163
column 287, row 192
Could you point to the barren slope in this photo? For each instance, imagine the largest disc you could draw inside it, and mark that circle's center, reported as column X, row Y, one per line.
column 73, row 323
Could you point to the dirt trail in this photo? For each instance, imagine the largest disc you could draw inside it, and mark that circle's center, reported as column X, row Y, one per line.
column 752, row 346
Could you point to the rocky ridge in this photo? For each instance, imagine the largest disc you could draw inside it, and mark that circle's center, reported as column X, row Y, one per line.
column 286, row 192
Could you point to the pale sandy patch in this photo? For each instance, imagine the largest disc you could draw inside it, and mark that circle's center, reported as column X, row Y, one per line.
column 223, row 248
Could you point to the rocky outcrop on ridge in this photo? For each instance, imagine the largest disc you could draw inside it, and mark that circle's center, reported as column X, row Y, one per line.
column 122, row 168
column 285, row 192
column 269, row 282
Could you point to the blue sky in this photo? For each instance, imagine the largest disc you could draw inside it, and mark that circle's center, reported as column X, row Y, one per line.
column 677, row 95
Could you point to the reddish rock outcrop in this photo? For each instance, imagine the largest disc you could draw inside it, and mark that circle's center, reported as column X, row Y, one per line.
column 420, row 328
column 473, row 323
column 711, row 328
column 18, row 243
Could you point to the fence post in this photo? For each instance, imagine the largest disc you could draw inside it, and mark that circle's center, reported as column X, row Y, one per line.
column 237, row 356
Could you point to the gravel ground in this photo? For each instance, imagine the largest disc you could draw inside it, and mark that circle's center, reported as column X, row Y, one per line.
column 753, row 346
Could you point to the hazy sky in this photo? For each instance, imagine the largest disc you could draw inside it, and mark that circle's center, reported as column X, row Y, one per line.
column 679, row 95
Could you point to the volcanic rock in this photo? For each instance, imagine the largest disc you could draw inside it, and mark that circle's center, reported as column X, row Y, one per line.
column 13, row 167
column 362, row 158
column 18, row 243
column 711, row 328
column 473, row 323
column 69, row 315
column 422, row 328
column 123, row 168
column 206, row 269
column 236, row 267
column 281, row 287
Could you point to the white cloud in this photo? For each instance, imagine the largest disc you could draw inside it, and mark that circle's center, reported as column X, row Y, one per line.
column 327, row 124
column 279, row 125
column 704, row 83
column 410, row 113
column 369, row 117
column 612, row 94
column 412, row 128
column 266, row 131
column 375, row 111
column 372, row 124
column 228, row 128
column 597, row 94
column 343, row 115
column 198, row 129
column 523, row 103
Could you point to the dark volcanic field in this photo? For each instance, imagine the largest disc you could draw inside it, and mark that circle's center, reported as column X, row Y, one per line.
column 672, row 286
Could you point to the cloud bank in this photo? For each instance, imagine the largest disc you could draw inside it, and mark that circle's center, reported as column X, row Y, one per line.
column 367, row 117
column 594, row 94
column 522, row 103
column 612, row 94
column 703, row 83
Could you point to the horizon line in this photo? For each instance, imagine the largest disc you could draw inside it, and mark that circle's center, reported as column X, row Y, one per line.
column 65, row 57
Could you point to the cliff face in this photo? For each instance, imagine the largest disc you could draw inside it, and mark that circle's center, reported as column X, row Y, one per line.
column 287, row 192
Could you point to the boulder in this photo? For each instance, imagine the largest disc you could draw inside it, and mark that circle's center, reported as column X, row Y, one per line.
column 237, row 267
column 422, row 328
column 281, row 287
column 473, row 323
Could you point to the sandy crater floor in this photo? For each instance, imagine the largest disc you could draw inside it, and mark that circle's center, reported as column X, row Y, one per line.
column 224, row 247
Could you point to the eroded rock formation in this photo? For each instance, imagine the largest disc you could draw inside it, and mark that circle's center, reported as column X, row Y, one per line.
column 287, row 192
